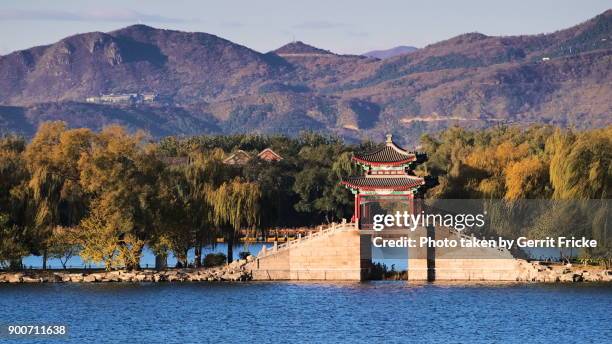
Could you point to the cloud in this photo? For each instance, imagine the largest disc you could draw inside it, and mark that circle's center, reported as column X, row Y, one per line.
column 112, row 15
column 318, row 25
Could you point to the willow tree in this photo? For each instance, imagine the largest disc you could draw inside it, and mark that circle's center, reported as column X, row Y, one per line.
column 234, row 205
column 56, row 196
column 185, row 213
column 206, row 172
column 120, row 173
column 175, row 216
column 491, row 163
column 527, row 178
column 580, row 169
column 486, row 166
column 581, row 164
column 14, row 235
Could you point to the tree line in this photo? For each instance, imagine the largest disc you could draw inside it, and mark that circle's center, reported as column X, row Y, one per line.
column 513, row 166
column 510, row 162
column 105, row 195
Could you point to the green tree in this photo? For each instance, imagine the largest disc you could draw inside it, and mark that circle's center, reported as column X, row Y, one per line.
column 235, row 205
column 56, row 196
column 64, row 244
column 15, row 235
column 121, row 173
column 277, row 197
column 176, row 215
column 12, row 244
column 206, row 172
column 318, row 181
column 580, row 166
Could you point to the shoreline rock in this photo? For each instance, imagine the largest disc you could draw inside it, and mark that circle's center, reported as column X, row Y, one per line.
column 234, row 272
column 529, row 272
column 541, row 272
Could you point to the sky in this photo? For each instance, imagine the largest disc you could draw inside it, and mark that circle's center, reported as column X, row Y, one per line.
column 350, row 27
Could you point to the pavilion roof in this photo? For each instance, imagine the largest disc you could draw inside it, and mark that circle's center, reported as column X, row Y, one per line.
column 269, row 155
column 375, row 183
column 387, row 154
column 239, row 157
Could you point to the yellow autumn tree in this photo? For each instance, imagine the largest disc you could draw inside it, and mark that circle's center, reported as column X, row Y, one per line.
column 56, row 196
column 526, row 178
column 120, row 173
column 493, row 161
column 581, row 164
column 106, row 236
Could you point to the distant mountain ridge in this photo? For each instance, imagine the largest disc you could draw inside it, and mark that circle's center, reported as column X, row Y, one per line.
column 212, row 85
column 392, row 52
column 300, row 47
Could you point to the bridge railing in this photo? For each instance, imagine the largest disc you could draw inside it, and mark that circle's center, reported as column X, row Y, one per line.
column 344, row 225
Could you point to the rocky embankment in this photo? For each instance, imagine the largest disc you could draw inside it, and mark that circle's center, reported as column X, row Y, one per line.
column 543, row 272
column 239, row 271
column 235, row 271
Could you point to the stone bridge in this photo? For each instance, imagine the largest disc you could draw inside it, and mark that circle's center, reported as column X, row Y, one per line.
column 343, row 252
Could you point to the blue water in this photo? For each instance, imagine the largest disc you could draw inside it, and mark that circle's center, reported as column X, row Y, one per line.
column 147, row 259
column 373, row 312
column 397, row 261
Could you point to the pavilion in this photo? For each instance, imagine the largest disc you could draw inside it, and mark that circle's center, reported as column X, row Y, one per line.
column 388, row 182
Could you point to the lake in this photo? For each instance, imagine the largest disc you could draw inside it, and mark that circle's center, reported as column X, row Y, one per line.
column 147, row 259
column 263, row 312
column 397, row 262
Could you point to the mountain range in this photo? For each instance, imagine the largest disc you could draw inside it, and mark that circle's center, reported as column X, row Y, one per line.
column 206, row 84
column 388, row 53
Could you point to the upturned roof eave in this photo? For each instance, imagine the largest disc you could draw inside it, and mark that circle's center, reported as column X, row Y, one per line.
column 390, row 163
column 384, row 187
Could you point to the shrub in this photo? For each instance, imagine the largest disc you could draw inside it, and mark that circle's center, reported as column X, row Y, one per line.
column 214, row 259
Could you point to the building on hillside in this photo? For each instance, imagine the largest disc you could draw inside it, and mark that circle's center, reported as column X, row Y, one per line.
column 239, row 157
column 269, row 155
column 118, row 98
column 149, row 97
column 124, row 98
column 388, row 183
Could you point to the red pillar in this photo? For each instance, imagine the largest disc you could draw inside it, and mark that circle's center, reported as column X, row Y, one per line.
column 411, row 204
column 354, row 219
column 366, row 211
column 357, row 206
